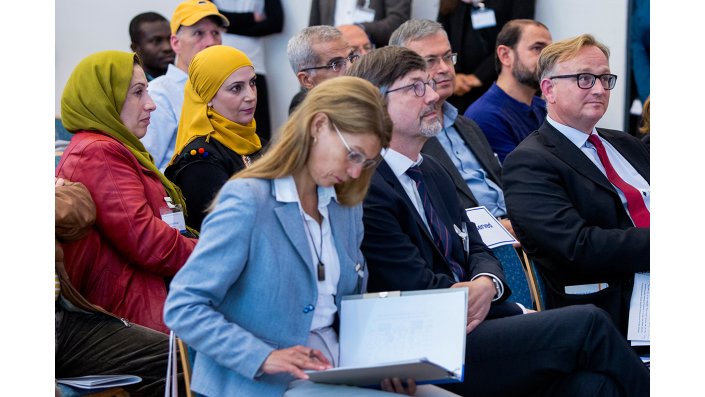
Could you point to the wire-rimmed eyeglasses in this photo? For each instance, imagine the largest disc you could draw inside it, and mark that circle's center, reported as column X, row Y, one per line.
column 419, row 87
column 338, row 64
column 448, row 59
column 587, row 80
column 355, row 156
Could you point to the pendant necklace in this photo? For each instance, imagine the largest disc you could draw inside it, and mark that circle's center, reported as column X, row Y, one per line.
column 320, row 268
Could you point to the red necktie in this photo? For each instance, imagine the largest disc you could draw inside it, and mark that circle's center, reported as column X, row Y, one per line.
column 635, row 203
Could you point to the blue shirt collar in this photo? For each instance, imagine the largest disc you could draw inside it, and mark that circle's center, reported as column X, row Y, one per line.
column 450, row 113
column 175, row 73
column 576, row 136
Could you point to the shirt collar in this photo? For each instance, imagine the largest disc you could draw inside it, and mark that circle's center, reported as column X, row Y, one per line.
column 577, row 137
column 176, row 73
column 285, row 192
column 398, row 162
column 450, row 113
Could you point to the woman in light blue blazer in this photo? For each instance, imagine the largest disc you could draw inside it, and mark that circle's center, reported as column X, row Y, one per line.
column 258, row 297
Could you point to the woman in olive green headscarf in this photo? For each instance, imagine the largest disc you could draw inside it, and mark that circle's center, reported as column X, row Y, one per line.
column 216, row 136
column 137, row 242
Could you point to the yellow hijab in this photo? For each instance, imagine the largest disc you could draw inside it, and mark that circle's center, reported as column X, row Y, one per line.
column 206, row 74
column 93, row 99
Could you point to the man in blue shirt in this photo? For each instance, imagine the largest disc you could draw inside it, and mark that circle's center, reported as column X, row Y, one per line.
column 195, row 25
column 510, row 110
column 460, row 147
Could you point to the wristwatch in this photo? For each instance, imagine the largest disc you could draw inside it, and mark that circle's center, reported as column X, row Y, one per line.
column 497, row 288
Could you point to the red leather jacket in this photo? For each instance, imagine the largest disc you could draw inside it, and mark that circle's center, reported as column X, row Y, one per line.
column 129, row 256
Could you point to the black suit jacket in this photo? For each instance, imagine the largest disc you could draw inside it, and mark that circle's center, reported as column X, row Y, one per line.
column 389, row 14
column 571, row 220
column 400, row 251
column 476, row 141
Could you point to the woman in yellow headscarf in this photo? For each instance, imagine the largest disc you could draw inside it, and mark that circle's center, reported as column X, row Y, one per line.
column 131, row 251
column 216, row 136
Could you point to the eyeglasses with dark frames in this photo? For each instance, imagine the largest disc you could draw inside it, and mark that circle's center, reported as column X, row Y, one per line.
column 338, row 64
column 419, row 87
column 587, row 80
column 448, row 59
column 355, row 156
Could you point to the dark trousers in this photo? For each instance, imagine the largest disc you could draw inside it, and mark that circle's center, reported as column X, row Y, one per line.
column 571, row 351
column 96, row 344
column 264, row 123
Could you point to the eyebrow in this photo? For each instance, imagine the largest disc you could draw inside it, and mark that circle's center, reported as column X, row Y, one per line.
column 334, row 60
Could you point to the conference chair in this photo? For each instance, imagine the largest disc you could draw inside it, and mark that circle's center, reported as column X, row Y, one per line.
column 515, row 274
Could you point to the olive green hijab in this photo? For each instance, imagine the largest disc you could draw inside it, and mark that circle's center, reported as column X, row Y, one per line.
column 93, row 99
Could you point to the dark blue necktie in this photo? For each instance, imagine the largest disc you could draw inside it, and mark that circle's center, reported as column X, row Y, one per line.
column 438, row 229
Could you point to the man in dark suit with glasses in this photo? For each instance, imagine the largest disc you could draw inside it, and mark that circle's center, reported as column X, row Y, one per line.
column 579, row 196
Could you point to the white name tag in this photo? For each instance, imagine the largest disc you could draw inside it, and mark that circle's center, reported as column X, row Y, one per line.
column 584, row 289
column 173, row 215
column 175, row 220
column 491, row 230
column 483, row 18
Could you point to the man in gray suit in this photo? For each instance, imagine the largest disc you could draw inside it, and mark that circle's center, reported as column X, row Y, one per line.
column 460, row 147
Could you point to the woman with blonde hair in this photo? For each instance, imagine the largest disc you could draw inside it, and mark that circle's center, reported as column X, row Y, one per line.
column 217, row 131
column 136, row 244
column 258, row 298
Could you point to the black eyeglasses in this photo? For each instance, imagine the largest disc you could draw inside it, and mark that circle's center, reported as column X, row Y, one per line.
column 587, row 80
column 338, row 64
column 419, row 87
column 448, row 59
column 354, row 156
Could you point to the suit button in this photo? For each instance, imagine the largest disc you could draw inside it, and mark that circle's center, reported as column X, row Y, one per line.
column 308, row 309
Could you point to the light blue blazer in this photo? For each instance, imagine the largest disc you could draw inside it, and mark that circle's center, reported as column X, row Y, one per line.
column 248, row 287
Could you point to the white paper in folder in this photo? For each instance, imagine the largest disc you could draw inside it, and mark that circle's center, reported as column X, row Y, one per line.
column 417, row 334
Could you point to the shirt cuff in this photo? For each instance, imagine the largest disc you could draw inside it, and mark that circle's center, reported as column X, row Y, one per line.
column 499, row 283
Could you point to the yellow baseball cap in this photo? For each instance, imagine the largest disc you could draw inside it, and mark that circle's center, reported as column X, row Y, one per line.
column 190, row 12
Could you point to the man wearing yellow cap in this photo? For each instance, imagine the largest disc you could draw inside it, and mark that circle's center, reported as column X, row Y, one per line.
column 195, row 25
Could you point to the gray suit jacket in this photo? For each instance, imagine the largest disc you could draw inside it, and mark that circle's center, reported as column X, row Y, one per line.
column 477, row 142
column 248, row 287
column 389, row 14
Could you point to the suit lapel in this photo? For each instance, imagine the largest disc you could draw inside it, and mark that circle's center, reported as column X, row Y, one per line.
column 291, row 222
column 473, row 141
column 434, row 148
column 565, row 150
column 394, row 183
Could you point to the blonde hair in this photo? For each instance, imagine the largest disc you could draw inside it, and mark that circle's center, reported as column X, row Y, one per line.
column 353, row 105
column 564, row 50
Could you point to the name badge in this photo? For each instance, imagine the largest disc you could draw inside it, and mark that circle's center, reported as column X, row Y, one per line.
column 483, row 18
column 173, row 215
column 491, row 231
column 363, row 14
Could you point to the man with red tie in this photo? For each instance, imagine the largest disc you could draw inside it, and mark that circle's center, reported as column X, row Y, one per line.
column 579, row 196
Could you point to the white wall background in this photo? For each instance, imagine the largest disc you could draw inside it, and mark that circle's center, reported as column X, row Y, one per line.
column 607, row 21
column 87, row 26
